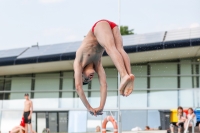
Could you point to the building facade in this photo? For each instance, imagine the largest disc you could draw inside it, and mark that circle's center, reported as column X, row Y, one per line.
column 166, row 66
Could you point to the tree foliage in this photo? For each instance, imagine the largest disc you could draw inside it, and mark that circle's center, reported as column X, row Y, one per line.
column 124, row 30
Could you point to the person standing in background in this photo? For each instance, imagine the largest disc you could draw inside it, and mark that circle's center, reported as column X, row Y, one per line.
column 28, row 110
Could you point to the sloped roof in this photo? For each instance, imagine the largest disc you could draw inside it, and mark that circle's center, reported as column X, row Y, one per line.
column 132, row 43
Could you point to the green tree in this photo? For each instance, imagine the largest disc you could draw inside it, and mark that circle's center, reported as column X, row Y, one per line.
column 125, row 31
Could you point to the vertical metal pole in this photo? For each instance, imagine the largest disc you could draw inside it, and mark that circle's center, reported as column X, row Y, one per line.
column 118, row 99
column 119, row 11
column 193, row 126
column 1, row 112
column 119, row 113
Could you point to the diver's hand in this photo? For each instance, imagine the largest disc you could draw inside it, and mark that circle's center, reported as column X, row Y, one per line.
column 92, row 111
column 99, row 110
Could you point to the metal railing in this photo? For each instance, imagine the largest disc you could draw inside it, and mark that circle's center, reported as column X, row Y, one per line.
column 188, row 124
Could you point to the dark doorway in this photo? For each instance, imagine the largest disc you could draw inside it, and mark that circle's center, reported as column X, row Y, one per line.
column 55, row 121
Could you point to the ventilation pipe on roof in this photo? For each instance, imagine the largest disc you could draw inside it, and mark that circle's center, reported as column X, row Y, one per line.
column 37, row 45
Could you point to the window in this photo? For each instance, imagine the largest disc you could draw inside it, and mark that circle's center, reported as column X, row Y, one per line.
column 111, row 78
column 7, row 85
column 140, row 72
column 68, row 85
column 20, row 84
column 186, row 91
column 163, row 76
column 45, row 83
column 1, row 83
column 68, row 97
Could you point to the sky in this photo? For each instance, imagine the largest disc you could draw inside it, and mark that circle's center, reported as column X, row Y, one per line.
column 24, row 23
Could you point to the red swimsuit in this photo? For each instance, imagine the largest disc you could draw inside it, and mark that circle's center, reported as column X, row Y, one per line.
column 112, row 24
column 22, row 122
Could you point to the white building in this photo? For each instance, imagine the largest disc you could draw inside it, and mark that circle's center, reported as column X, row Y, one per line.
column 166, row 66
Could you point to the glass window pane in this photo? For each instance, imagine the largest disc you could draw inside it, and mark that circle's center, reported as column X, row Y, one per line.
column 163, row 80
column 137, row 118
column 63, row 122
column 46, row 95
column 153, row 119
column 68, row 94
column 132, row 100
column 85, row 87
column 163, row 69
column 47, row 82
column 163, row 99
column 186, row 71
column 16, row 95
column 47, row 103
column 68, row 81
column 95, row 99
column 41, row 122
column 78, row 118
column 15, row 103
column 67, row 100
column 1, row 117
column 95, row 83
column 1, row 102
column 1, row 96
column 7, row 85
column 6, row 96
column 33, row 121
column 79, row 103
column 140, row 72
column 20, row 84
column 1, row 84
column 111, row 78
column 186, row 98
column 111, row 101
column 53, row 122
column 198, row 91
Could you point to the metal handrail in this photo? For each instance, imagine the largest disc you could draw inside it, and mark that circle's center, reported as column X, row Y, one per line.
column 188, row 122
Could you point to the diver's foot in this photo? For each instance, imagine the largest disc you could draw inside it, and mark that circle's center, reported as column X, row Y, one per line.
column 129, row 87
column 124, row 81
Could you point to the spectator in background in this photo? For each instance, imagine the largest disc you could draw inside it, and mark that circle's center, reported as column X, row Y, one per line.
column 46, row 130
column 98, row 129
column 199, row 126
column 147, row 128
column 181, row 119
column 190, row 116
